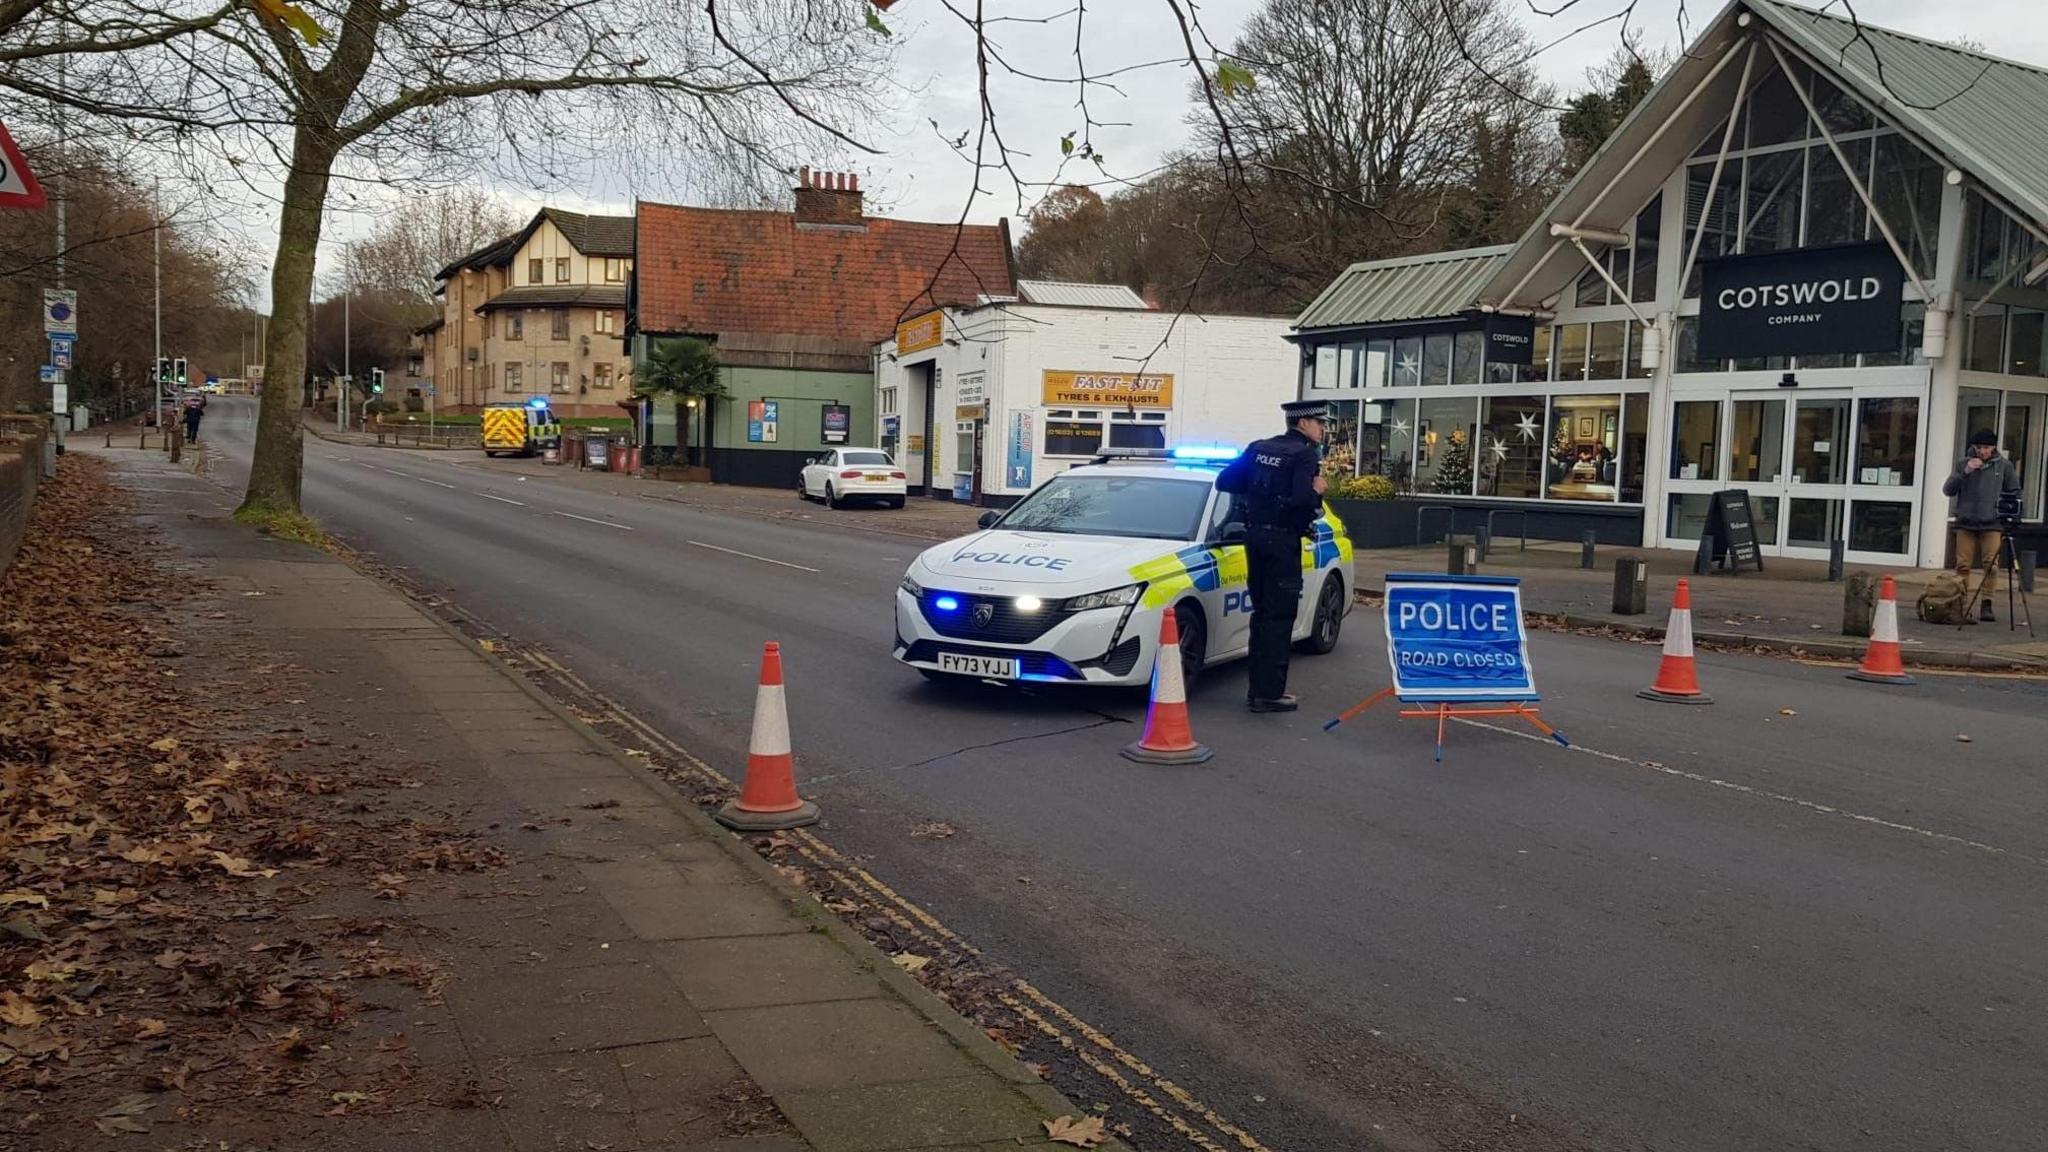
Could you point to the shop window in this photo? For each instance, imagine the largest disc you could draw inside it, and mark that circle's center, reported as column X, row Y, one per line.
column 1340, row 438
column 1606, row 349
column 1770, row 209
column 1814, row 524
column 1820, row 441
column 1067, row 435
column 1379, row 356
column 1776, row 115
column 1386, row 442
column 1128, row 433
column 1762, row 364
column 1511, row 447
column 1887, row 440
column 1537, row 369
column 2023, row 343
column 1825, row 360
column 1324, row 374
column 1756, row 441
column 1408, row 361
column 1347, row 365
column 1685, row 347
column 1467, row 350
column 1685, row 516
column 1642, row 278
column 1592, row 290
column 1987, row 340
column 2026, row 422
column 1583, row 448
column 1571, row 352
column 1721, row 221
column 1906, row 186
column 1987, row 256
column 1834, row 212
column 1912, row 327
column 1635, row 445
column 1444, row 433
column 1436, row 359
column 1636, row 371
column 1695, row 439
column 1880, row 526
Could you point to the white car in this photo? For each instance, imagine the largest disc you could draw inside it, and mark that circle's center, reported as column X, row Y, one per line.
column 843, row 475
column 1069, row 585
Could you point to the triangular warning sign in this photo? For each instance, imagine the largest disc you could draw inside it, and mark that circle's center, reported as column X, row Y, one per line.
column 18, row 187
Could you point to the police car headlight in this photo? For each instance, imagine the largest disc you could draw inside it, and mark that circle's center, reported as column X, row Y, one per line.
column 915, row 589
column 1114, row 598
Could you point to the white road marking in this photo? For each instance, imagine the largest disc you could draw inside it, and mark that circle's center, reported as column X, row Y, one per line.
column 748, row 555
column 1748, row 790
column 396, row 472
column 435, row 483
column 594, row 520
column 499, row 499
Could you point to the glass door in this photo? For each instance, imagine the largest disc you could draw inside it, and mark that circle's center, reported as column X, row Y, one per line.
column 1816, row 490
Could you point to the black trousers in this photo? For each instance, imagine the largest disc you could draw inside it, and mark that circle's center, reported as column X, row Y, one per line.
column 1273, row 558
column 192, row 427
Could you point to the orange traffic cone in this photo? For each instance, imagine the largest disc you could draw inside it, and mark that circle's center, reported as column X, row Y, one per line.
column 768, row 801
column 1678, row 680
column 1167, row 739
column 1882, row 663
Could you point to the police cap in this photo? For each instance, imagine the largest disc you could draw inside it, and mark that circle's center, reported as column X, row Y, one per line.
column 1305, row 410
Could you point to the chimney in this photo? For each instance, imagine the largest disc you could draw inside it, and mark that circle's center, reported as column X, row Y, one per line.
column 827, row 197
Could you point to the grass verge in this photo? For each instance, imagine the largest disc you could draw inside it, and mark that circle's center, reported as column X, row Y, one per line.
column 285, row 525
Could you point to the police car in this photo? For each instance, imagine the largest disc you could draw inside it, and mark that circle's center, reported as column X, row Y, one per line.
column 1069, row 585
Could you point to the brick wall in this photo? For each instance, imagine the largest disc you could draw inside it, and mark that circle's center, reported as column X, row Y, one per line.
column 21, row 465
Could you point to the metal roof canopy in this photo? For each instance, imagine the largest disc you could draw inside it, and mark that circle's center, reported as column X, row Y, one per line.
column 1073, row 294
column 1980, row 107
column 1409, row 288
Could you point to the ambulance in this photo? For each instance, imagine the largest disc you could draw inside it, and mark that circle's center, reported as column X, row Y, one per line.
column 1069, row 585
column 520, row 429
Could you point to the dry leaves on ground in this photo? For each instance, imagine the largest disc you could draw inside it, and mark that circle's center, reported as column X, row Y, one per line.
column 1081, row 1132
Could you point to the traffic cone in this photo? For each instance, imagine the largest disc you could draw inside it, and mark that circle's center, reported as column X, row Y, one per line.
column 1167, row 739
column 1678, row 680
column 768, row 801
column 1882, row 663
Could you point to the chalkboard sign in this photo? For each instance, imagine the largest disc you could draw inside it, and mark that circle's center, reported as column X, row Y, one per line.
column 1731, row 525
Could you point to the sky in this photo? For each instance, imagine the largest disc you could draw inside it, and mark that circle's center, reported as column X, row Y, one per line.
column 916, row 175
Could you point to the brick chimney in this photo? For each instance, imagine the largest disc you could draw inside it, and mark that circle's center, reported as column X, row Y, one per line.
column 827, row 197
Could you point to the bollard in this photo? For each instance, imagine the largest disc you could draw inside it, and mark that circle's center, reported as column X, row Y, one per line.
column 1859, row 604
column 1482, row 541
column 2027, row 562
column 1835, row 550
column 1587, row 540
column 1631, row 586
column 176, row 439
column 1464, row 560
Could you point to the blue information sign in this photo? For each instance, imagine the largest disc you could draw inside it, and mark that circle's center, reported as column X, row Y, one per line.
column 1453, row 638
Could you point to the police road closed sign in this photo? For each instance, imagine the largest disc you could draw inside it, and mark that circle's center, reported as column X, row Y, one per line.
column 1453, row 638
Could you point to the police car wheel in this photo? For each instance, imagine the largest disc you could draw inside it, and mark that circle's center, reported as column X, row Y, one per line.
column 1194, row 641
column 1328, row 620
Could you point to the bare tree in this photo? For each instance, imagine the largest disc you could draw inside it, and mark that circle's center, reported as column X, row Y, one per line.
column 403, row 251
column 303, row 101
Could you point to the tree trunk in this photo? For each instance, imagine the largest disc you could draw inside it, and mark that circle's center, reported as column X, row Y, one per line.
column 279, row 465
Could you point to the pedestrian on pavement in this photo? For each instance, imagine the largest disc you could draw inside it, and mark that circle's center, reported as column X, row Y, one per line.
column 1281, row 482
column 195, row 407
column 1986, row 489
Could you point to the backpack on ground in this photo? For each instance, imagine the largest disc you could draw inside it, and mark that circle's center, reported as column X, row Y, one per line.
column 1947, row 600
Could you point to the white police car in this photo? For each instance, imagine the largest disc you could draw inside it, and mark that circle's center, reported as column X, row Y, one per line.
column 1069, row 585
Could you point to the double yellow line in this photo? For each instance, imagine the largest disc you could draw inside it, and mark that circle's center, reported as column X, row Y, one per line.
column 1137, row 1081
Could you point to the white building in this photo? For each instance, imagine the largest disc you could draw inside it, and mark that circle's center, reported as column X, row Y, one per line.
column 983, row 404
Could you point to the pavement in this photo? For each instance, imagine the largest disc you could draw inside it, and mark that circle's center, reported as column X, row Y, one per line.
column 636, row 978
column 1807, row 916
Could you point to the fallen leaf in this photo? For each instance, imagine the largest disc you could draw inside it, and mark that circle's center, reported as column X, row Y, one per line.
column 16, row 1012
column 1081, row 1132
column 1003, row 1040
column 147, row 1028
column 164, row 745
column 1961, row 738
column 236, row 866
column 1787, row 712
column 22, row 929
column 292, row 1046
column 487, row 644
column 936, row 830
column 199, row 809
column 22, row 896
column 1043, row 1071
column 911, row 961
column 349, row 1097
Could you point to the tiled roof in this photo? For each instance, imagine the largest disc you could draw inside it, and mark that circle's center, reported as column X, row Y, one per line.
column 708, row 270
column 592, row 235
column 1410, row 288
column 558, row 296
column 1075, row 295
column 496, row 252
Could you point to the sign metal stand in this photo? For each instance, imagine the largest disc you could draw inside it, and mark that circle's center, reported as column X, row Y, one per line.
column 1458, row 649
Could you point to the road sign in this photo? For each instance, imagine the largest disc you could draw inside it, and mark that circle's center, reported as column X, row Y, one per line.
column 60, row 354
column 1452, row 638
column 47, row 373
column 60, row 312
column 18, row 186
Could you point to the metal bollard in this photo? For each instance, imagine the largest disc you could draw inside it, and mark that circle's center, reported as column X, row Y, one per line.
column 1482, row 540
column 1835, row 550
column 1464, row 560
column 1587, row 540
column 176, row 440
column 1631, row 586
column 2027, row 561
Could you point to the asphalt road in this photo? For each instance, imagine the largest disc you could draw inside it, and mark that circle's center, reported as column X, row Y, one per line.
column 1807, row 917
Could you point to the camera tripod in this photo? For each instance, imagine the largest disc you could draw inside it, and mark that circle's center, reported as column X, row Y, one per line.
column 2007, row 561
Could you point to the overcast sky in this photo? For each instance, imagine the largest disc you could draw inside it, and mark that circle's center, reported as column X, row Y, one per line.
column 918, row 176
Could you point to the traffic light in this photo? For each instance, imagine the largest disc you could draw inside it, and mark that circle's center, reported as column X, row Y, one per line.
column 182, row 378
column 376, row 381
column 163, row 371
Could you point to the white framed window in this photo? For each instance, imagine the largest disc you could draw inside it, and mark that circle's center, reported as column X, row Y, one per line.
column 607, row 321
column 515, row 325
column 558, row 376
column 600, row 376
column 1087, row 431
column 887, row 401
column 614, row 270
column 513, row 381
column 561, row 269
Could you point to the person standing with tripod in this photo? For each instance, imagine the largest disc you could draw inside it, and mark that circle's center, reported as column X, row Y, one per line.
column 1982, row 483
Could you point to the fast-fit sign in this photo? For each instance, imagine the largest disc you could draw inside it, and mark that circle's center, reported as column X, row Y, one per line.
column 920, row 333
column 1108, row 389
column 1801, row 302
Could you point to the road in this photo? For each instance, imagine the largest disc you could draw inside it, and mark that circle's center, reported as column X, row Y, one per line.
column 1809, row 916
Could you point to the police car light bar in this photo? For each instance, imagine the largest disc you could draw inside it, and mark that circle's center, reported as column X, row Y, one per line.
column 1204, row 452
column 1131, row 454
column 537, row 402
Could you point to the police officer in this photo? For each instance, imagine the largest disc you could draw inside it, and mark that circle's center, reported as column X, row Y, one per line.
column 1280, row 480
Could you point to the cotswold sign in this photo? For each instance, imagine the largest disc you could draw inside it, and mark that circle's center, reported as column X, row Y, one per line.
column 1801, row 302
column 1510, row 339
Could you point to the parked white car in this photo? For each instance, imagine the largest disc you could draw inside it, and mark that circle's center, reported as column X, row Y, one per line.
column 843, row 475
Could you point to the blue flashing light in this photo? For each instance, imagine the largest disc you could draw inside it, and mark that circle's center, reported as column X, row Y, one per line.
column 537, row 402
column 947, row 604
column 1204, row 452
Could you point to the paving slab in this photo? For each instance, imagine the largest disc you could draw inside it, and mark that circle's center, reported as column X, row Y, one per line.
column 803, row 1047
column 572, row 1009
column 697, row 912
column 926, row 1114
column 755, row 971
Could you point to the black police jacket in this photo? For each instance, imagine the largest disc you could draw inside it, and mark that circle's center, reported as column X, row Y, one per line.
column 1277, row 478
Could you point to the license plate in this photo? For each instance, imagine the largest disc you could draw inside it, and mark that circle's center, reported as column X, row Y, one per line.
column 991, row 667
column 875, row 477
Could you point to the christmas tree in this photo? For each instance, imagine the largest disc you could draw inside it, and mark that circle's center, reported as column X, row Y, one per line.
column 1454, row 471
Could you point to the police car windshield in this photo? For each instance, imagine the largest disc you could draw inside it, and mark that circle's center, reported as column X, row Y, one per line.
column 1150, row 507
